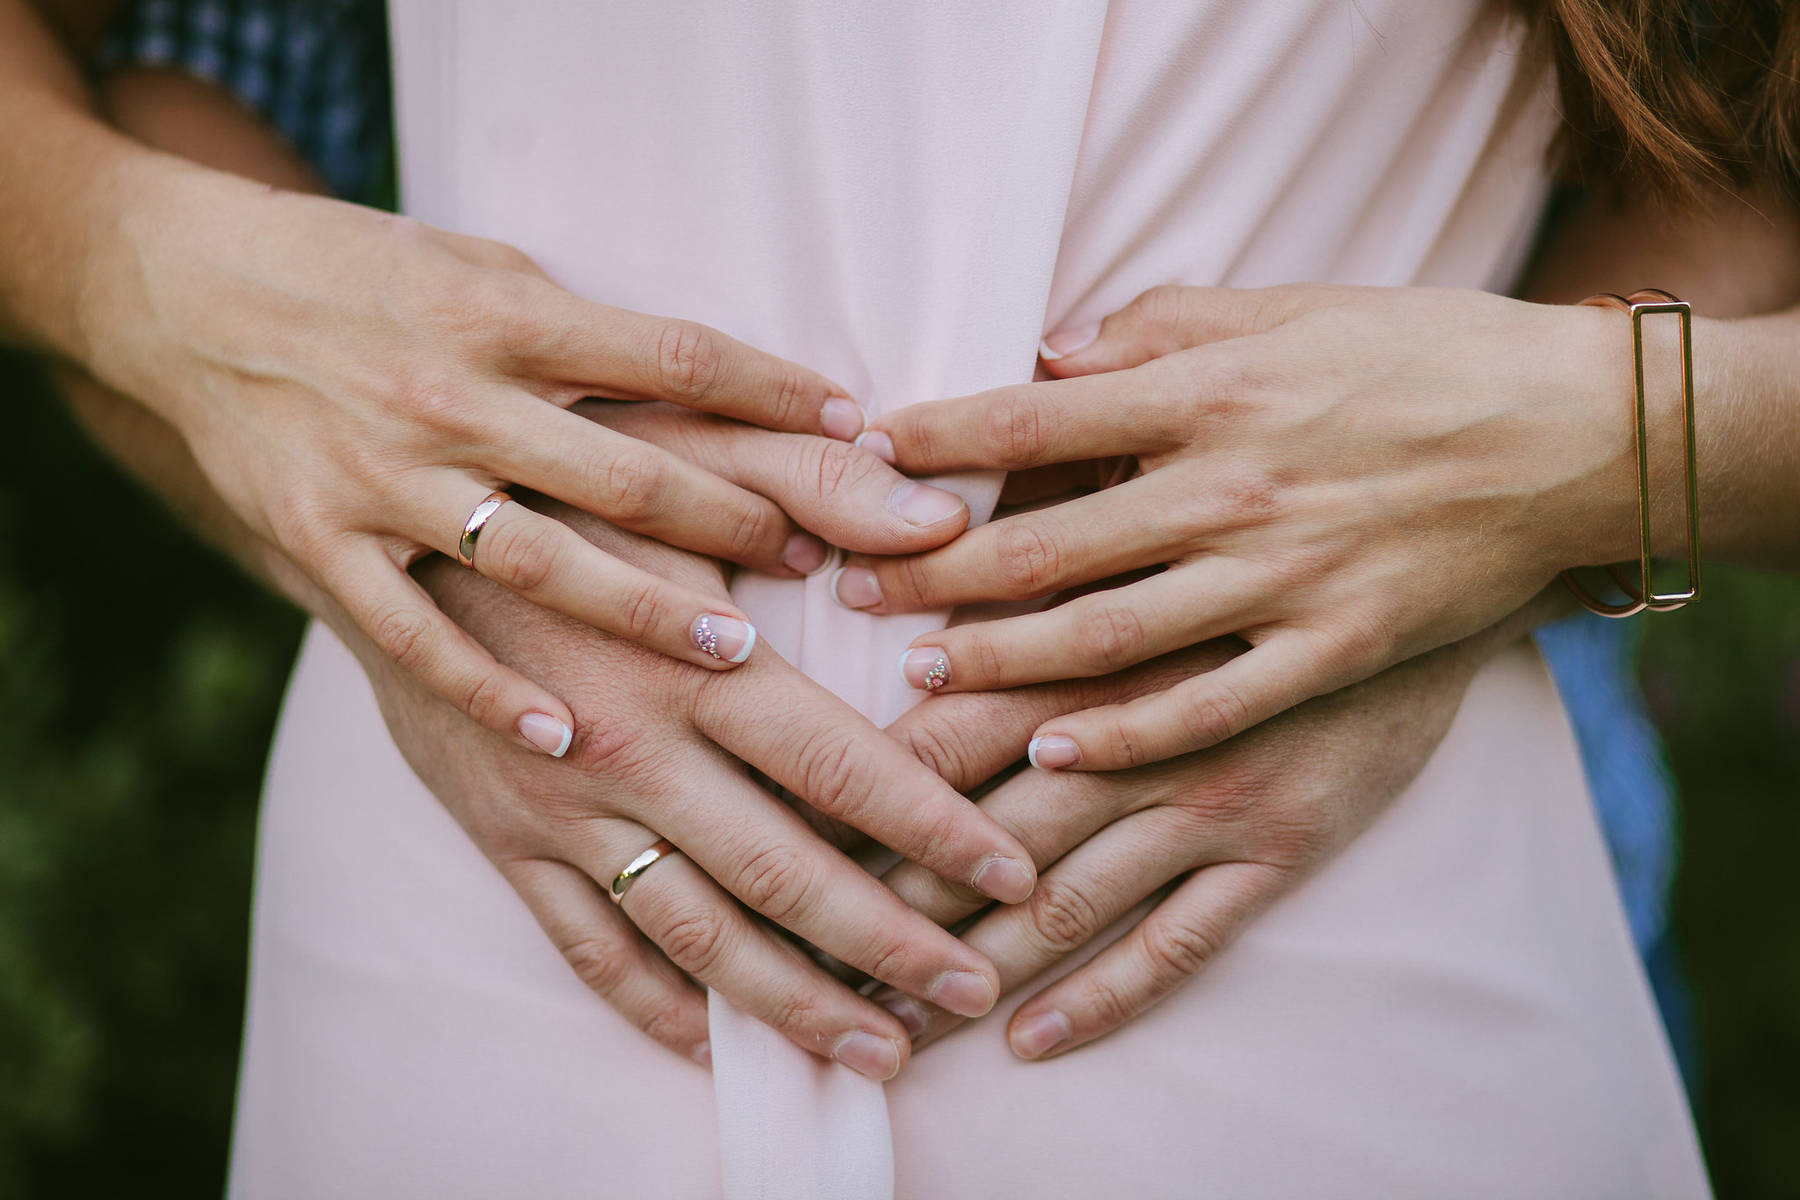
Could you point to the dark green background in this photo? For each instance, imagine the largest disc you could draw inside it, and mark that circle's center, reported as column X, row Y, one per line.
column 139, row 679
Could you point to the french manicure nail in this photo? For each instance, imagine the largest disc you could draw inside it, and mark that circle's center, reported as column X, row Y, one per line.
column 1005, row 879
column 546, row 733
column 702, row 1054
column 805, row 553
column 1053, row 751
column 879, row 444
column 909, row 1014
column 725, row 638
column 1065, row 342
column 867, row 1054
column 841, row 419
column 856, row 587
column 920, row 505
column 926, row 668
column 1040, row 1033
column 962, row 992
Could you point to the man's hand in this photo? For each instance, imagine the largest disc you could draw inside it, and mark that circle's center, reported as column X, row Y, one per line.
column 657, row 755
column 1222, row 832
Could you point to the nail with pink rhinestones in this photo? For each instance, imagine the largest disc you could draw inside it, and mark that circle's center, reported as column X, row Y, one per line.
column 724, row 638
column 926, row 668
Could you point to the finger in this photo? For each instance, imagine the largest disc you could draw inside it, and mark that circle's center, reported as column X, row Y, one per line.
column 1286, row 669
column 833, row 759
column 646, row 489
column 608, row 954
column 551, row 565
column 1166, row 319
column 1094, row 634
column 1050, row 812
column 1172, row 944
column 1035, row 424
column 769, row 858
column 1022, row 557
column 1093, row 886
column 628, row 355
column 841, row 492
column 706, row 934
column 967, row 738
column 405, row 625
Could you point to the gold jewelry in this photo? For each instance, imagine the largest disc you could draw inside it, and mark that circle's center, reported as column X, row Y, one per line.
column 471, row 531
column 624, row 879
column 1651, row 302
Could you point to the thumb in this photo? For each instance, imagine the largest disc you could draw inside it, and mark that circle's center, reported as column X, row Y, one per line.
column 1170, row 318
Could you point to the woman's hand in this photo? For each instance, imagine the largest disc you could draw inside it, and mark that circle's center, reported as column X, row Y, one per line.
column 1221, row 834
column 1344, row 477
column 355, row 384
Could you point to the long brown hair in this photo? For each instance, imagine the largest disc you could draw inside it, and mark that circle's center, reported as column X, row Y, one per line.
column 1678, row 95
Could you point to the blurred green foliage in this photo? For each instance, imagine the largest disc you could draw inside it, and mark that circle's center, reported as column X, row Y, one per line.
column 139, row 681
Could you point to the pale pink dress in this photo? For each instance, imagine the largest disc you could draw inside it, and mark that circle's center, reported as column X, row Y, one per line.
column 907, row 196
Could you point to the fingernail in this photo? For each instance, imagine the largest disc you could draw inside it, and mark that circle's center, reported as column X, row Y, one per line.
column 1065, row 342
column 805, row 553
column 917, row 504
column 725, row 638
column 1053, row 751
column 962, row 992
column 1040, row 1033
column 856, row 587
column 841, row 419
column 1005, row 879
column 926, row 668
column 909, row 1013
column 866, row 1054
column 702, row 1054
column 546, row 733
column 879, row 444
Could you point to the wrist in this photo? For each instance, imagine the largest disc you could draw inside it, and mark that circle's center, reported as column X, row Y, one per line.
column 1600, row 520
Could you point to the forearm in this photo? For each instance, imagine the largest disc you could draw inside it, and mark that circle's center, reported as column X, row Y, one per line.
column 1737, row 260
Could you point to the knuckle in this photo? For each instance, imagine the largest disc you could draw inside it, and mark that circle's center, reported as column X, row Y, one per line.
column 607, row 749
column 1175, row 952
column 1213, row 716
column 829, row 771
column 1164, row 305
column 597, row 963
column 403, row 635
column 687, row 361
column 834, row 465
column 664, row 1020
column 787, row 398
column 642, row 611
column 694, row 939
column 435, row 404
column 1015, row 427
column 1248, row 494
column 632, row 482
column 1029, row 558
column 483, row 697
column 939, row 749
column 1109, row 637
column 526, row 557
column 777, row 882
column 753, row 532
column 794, row 1013
column 1109, row 1006
column 1061, row 918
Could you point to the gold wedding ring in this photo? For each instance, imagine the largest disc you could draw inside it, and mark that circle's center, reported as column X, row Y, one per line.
column 471, row 531
column 624, row 879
